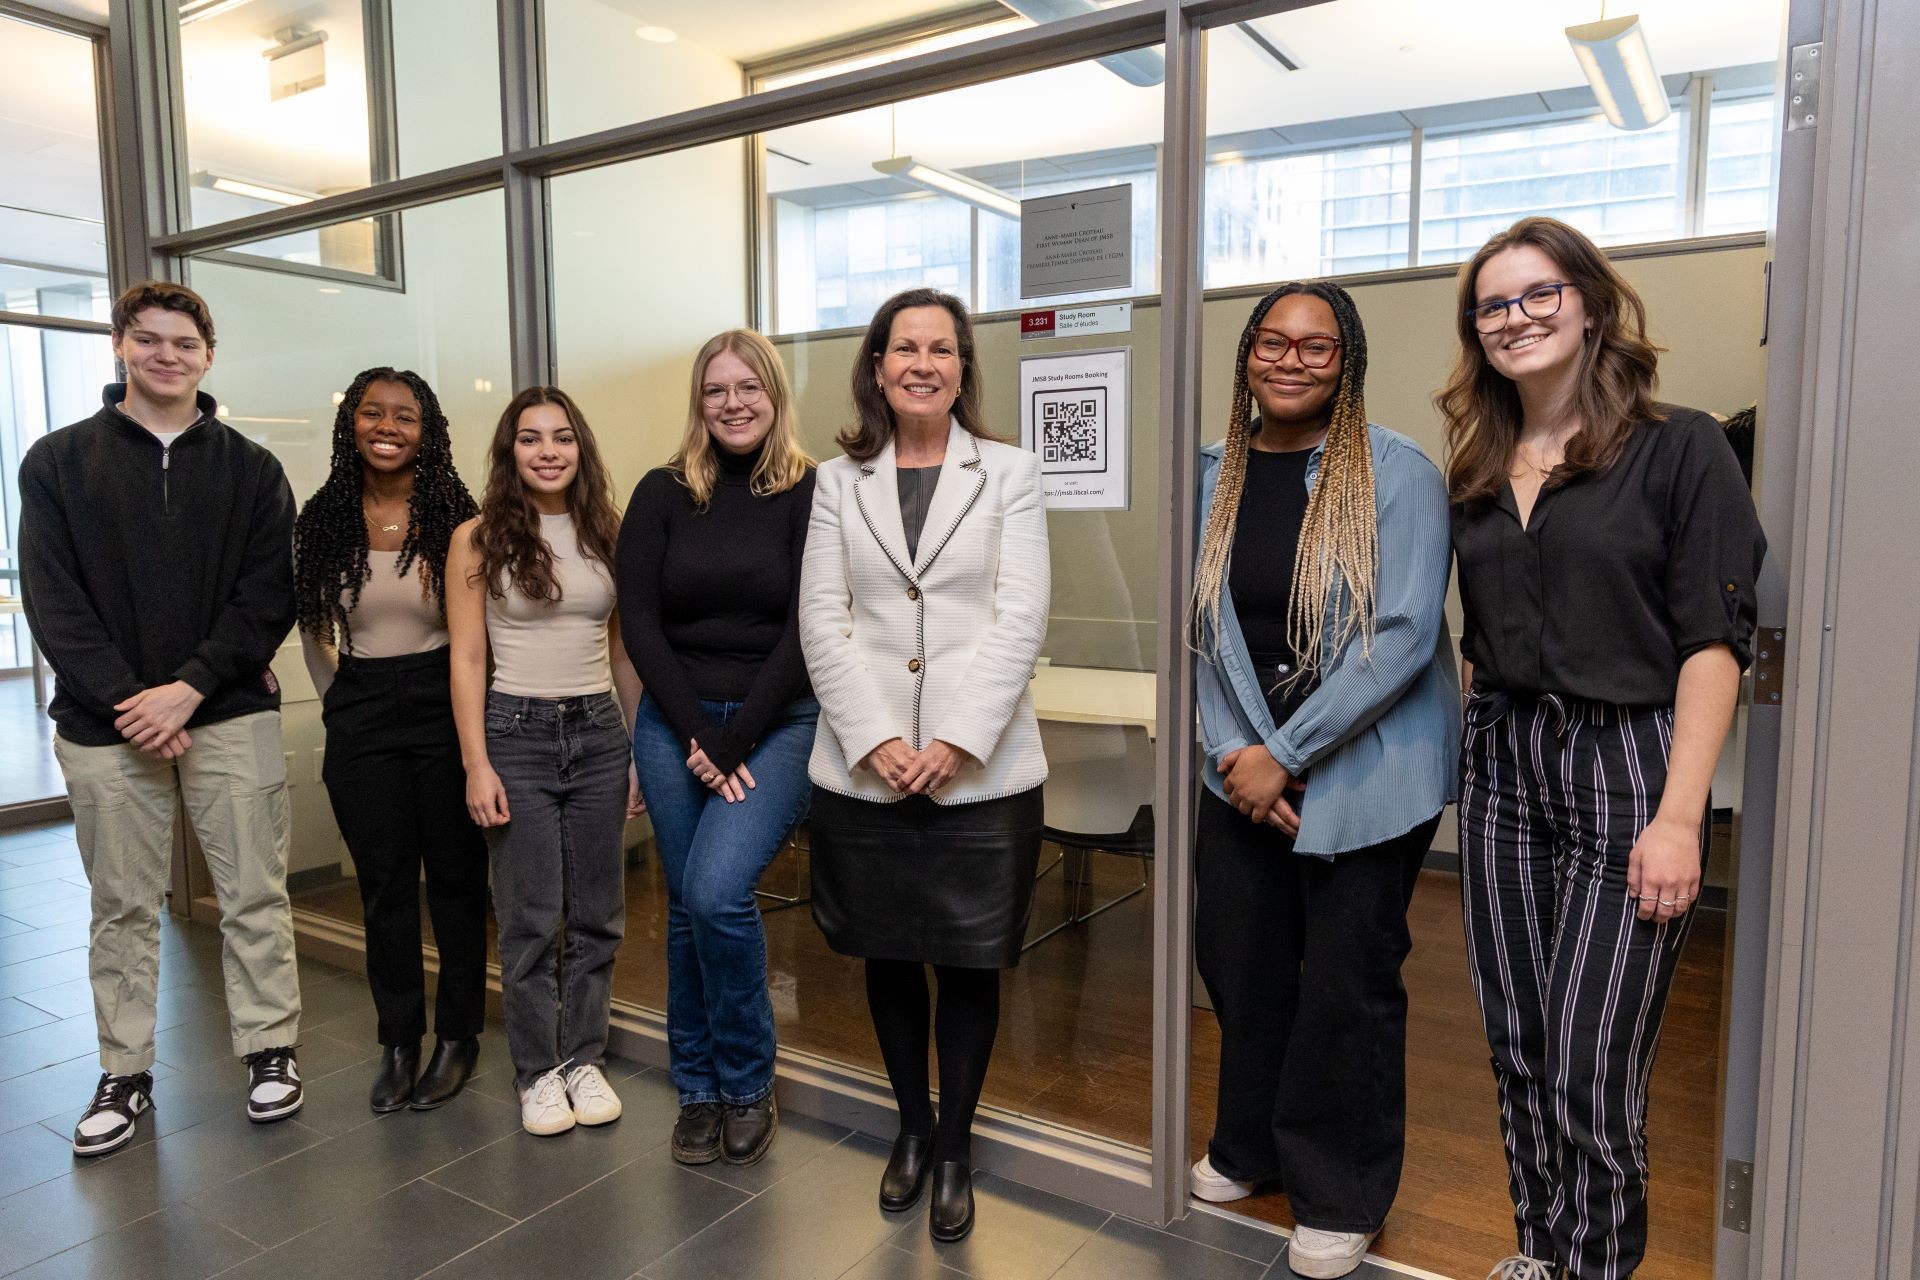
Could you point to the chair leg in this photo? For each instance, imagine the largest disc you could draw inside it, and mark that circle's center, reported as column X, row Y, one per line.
column 782, row 901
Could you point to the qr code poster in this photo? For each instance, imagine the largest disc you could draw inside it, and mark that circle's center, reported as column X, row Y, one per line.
column 1073, row 413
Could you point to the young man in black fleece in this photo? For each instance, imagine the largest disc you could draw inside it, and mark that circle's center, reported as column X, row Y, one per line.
column 156, row 570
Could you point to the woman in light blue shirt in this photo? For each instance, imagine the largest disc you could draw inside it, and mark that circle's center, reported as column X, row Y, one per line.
column 1329, row 714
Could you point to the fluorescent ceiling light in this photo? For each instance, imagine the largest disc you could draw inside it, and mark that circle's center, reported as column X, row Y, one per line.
column 656, row 35
column 1142, row 67
column 251, row 190
column 1614, row 55
column 192, row 11
column 946, row 182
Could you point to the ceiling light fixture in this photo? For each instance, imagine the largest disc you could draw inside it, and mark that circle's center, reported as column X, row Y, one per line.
column 656, row 35
column 192, row 11
column 1613, row 54
column 251, row 190
column 949, row 183
column 297, row 63
column 1142, row 67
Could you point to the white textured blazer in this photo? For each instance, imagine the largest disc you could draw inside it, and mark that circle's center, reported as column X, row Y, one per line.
column 942, row 647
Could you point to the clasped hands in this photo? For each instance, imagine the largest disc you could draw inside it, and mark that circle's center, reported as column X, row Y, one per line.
column 1256, row 784
column 909, row 772
column 731, row 787
column 154, row 719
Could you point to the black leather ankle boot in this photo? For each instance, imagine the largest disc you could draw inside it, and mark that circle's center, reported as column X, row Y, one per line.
column 393, row 1087
column 906, row 1175
column 446, row 1073
column 950, row 1216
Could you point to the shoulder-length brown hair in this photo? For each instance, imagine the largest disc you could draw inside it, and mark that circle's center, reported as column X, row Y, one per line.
column 783, row 463
column 508, row 535
column 1618, row 369
column 873, row 424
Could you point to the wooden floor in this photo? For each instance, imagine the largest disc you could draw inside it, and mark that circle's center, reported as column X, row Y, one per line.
column 1076, row 1038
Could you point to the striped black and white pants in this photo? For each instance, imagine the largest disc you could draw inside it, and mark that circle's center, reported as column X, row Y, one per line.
column 1572, row 986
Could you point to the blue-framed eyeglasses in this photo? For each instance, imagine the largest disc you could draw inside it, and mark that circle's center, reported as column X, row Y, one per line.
column 1537, row 303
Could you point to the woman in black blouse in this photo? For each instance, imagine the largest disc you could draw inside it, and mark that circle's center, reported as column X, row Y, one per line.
column 1608, row 549
column 709, row 564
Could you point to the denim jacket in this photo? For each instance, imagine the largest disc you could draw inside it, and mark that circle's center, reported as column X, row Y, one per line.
column 1377, row 743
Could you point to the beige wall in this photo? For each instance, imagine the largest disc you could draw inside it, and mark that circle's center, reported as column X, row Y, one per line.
column 1705, row 307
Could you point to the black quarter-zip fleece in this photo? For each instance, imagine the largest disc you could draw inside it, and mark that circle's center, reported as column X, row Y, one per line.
column 142, row 564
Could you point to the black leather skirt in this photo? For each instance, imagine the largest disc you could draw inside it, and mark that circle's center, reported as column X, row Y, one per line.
column 915, row 880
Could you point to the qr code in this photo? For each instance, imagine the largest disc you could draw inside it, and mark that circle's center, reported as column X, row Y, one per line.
column 1073, row 431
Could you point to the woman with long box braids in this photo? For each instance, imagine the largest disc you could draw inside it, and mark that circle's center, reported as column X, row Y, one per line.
column 370, row 570
column 1329, row 715
column 1608, row 550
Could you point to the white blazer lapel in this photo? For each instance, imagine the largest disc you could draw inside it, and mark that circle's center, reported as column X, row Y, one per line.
column 962, row 477
column 877, row 493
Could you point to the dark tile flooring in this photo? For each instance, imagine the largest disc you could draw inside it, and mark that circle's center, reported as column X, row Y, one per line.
column 337, row 1192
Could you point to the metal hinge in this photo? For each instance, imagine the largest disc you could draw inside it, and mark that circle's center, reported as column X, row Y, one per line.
column 1736, row 1201
column 1769, row 665
column 1803, row 87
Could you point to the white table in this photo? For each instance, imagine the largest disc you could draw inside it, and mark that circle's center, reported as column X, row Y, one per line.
column 1091, row 695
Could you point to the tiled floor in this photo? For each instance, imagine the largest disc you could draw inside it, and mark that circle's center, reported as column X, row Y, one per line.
column 337, row 1192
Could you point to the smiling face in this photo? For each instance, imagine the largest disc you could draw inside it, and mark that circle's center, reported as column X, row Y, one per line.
column 735, row 404
column 1526, row 349
column 165, row 356
column 920, row 369
column 546, row 452
column 1289, row 393
column 386, row 427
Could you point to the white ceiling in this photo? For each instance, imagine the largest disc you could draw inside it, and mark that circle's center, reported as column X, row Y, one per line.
column 745, row 30
column 1356, row 58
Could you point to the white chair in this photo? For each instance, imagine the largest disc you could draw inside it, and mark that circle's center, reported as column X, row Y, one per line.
column 1099, row 799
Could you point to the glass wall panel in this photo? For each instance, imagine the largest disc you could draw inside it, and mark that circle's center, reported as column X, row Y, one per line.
column 844, row 233
column 1740, row 135
column 49, row 378
column 288, row 347
column 290, row 100
column 51, row 229
column 1076, row 1032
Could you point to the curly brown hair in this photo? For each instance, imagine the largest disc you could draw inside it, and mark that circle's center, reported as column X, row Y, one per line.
column 1618, row 370
column 507, row 538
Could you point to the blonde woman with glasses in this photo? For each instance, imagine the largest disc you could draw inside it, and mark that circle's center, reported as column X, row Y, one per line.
column 709, row 572
column 1329, row 715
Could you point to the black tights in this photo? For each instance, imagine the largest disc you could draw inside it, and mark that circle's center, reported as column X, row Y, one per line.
column 969, row 1015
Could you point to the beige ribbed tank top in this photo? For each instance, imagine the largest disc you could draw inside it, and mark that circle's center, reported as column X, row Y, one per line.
column 394, row 615
column 543, row 650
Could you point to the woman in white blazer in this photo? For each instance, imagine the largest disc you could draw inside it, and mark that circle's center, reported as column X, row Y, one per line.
column 923, row 602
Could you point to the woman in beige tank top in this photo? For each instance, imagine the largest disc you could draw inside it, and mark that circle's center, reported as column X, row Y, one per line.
column 370, row 557
column 549, row 769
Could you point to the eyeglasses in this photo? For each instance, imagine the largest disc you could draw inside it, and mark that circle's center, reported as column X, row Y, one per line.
column 713, row 395
column 1315, row 352
column 1537, row 303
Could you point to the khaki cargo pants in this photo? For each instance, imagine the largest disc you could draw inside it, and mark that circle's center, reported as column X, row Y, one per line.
column 234, row 781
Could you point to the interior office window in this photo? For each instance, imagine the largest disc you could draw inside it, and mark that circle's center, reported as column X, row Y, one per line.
column 1315, row 213
column 1740, row 137
column 53, row 243
column 1618, row 187
column 289, row 100
column 837, row 263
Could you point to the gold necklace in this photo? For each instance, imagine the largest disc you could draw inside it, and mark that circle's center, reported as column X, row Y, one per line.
column 383, row 528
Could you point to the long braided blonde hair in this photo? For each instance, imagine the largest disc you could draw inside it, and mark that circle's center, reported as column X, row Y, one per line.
column 1338, row 558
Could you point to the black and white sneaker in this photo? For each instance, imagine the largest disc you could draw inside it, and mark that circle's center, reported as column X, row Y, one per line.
column 273, row 1085
column 111, row 1117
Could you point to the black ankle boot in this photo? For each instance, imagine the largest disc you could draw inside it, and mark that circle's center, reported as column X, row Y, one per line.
column 393, row 1087
column 446, row 1073
column 906, row 1175
column 950, row 1216
column 746, row 1132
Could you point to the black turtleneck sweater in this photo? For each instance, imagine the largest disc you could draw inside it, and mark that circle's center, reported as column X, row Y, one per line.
column 709, row 602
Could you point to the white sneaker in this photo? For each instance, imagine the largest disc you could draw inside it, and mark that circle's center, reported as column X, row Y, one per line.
column 1325, row 1255
column 1521, row 1267
column 594, row 1101
column 1208, row 1183
column 543, row 1106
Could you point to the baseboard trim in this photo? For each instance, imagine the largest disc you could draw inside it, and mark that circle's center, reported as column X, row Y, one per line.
column 30, row 813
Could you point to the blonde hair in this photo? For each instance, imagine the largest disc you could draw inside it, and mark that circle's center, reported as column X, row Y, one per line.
column 782, row 461
column 1339, row 549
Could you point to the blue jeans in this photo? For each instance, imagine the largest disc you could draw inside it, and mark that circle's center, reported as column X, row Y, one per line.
column 558, row 871
column 719, row 1019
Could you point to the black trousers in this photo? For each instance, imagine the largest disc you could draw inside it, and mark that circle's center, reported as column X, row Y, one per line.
column 1301, row 957
column 1572, row 985
column 393, row 774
